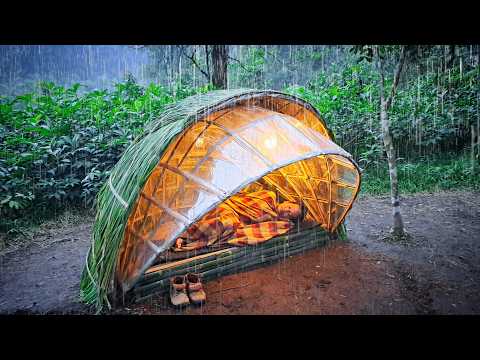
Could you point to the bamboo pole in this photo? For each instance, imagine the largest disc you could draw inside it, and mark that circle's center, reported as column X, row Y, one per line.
column 329, row 220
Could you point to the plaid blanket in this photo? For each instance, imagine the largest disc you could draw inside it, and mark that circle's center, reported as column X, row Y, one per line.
column 244, row 219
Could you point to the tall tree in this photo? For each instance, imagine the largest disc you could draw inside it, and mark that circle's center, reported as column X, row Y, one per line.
column 212, row 62
column 216, row 61
column 385, row 104
column 219, row 54
column 451, row 56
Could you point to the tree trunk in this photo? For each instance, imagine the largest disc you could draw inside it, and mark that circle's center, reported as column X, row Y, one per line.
column 398, row 227
column 451, row 56
column 392, row 167
column 219, row 66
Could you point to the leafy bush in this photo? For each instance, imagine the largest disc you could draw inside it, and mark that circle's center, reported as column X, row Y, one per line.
column 431, row 113
column 428, row 174
column 348, row 101
column 58, row 146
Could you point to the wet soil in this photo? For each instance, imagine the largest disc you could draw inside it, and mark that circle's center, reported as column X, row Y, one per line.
column 437, row 271
column 45, row 276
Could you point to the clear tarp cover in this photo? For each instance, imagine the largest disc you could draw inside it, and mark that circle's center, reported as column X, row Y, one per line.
column 221, row 154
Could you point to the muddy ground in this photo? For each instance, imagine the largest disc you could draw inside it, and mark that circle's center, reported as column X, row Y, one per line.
column 436, row 272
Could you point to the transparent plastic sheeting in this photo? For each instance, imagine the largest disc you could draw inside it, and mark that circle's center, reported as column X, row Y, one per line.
column 220, row 155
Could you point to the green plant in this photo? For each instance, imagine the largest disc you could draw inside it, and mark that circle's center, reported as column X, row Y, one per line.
column 251, row 71
column 432, row 112
column 430, row 174
column 58, row 146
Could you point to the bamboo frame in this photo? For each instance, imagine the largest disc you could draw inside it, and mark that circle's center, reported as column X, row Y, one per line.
column 209, row 187
column 329, row 194
column 304, row 176
column 244, row 142
column 121, row 258
column 169, row 211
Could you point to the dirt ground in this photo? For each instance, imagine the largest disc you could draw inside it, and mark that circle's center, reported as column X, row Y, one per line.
column 436, row 272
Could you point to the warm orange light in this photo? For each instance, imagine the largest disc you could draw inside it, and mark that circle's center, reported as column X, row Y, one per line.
column 270, row 142
column 199, row 142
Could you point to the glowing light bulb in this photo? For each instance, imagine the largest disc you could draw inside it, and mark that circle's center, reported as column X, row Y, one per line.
column 271, row 142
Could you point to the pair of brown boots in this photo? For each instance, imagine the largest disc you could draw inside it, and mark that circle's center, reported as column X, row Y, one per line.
column 187, row 289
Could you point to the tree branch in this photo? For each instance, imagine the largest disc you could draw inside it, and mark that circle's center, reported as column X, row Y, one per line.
column 380, row 70
column 396, row 78
column 241, row 65
column 192, row 59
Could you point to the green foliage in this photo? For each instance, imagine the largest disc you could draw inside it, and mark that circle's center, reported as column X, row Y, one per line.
column 250, row 72
column 432, row 111
column 347, row 100
column 58, row 146
column 430, row 118
column 426, row 175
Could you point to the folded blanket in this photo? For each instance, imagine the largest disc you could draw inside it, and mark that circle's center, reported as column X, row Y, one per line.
column 244, row 219
column 260, row 232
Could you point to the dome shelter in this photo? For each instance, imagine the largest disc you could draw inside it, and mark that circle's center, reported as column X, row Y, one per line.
column 200, row 153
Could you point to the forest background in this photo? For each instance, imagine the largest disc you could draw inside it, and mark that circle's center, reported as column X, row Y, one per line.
column 67, row 113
